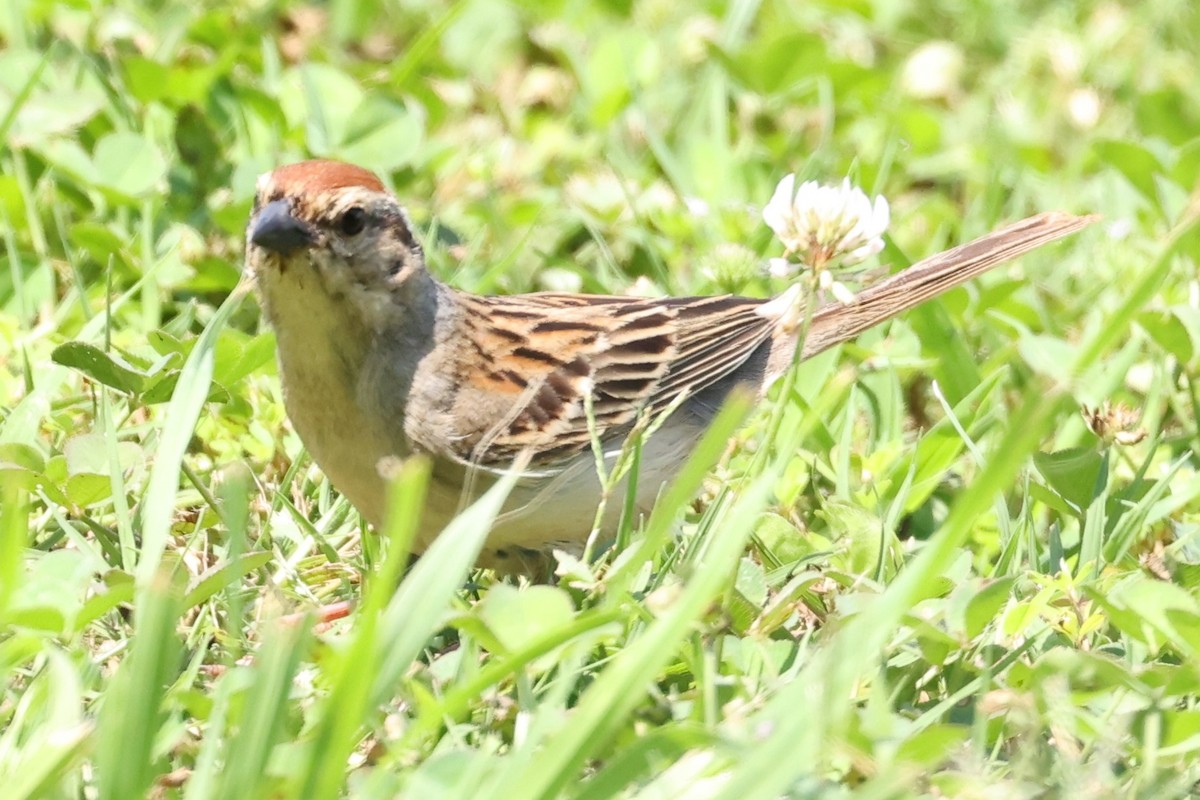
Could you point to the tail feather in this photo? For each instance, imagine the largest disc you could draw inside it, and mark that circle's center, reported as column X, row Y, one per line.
column 837, row 322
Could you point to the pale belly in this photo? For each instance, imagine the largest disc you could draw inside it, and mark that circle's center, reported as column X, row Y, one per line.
column 561, row 512
column 541, row 514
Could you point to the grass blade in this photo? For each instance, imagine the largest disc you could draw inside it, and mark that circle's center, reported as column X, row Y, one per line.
column 133, row 711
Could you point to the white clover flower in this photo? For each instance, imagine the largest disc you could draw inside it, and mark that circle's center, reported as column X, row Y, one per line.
column 933, row 71
column 1119, row 228
column 781, row 268
column 697, row 207
column 825, row 224
column 840, row 291
column 1084, row 108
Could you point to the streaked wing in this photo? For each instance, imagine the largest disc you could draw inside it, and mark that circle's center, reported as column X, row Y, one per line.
column 715, row 336
column 550, row 351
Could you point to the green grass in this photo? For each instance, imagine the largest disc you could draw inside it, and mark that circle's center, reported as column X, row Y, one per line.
column 932, row 580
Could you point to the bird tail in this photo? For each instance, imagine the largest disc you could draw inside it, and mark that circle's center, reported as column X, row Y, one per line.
column 837, row 322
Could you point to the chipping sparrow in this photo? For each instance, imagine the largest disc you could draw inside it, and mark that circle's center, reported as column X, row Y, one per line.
column 380, row 360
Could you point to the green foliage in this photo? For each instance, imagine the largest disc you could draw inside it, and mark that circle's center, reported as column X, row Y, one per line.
column 917, row 573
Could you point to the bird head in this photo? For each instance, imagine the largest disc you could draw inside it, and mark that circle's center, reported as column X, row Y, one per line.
column 332, row 218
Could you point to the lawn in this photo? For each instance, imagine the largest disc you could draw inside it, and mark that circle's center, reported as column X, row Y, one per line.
column 960, row 559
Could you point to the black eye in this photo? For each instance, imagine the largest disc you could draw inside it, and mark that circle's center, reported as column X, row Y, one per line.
column 352, row 222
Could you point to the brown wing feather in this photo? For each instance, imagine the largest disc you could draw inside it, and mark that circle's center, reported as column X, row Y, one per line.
column 716, row 336
column 627, row 353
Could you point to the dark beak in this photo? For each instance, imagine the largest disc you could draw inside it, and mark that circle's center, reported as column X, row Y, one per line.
column 275, row 229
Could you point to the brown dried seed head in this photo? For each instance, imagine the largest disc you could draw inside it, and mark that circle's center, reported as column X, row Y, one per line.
column 1114, row 423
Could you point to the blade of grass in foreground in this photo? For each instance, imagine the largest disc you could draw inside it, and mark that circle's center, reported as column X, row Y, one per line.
column 458, row 697
column 418, row 608
column 264, row 717
column 680, row 491
column 132, row 710
column 132, row 713
column 347, row 707
column 46, row 734
column 14, row 533
column 547, row 763
column 182, row 413
column 241, row 767
column 392, row 627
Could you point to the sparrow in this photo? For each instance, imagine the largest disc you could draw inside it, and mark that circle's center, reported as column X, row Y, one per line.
column 379, row 360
